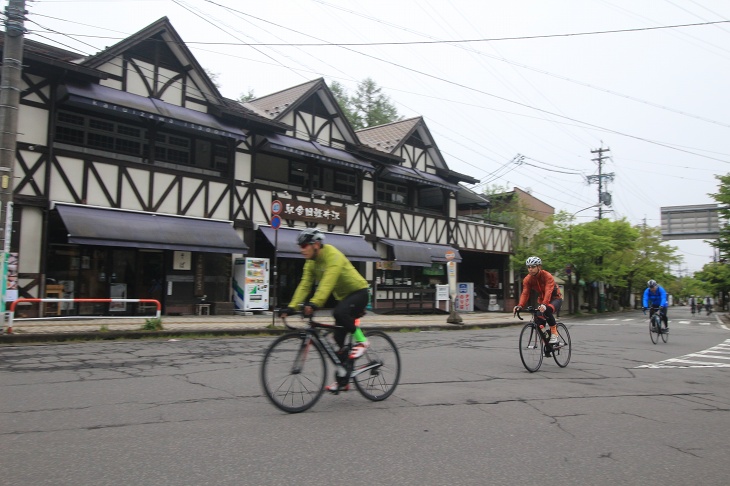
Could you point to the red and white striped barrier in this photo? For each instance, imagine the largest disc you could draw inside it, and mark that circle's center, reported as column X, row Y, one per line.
column 11, row 313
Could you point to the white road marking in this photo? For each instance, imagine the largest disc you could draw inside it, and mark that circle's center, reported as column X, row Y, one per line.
column 719, row 352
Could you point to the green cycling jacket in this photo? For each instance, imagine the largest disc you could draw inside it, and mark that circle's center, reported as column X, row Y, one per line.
column 333, row 274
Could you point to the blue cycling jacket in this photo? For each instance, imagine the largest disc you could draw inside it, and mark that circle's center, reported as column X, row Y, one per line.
column 658, row 297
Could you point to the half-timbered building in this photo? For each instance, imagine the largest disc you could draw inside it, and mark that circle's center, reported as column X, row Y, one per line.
column 134, row 177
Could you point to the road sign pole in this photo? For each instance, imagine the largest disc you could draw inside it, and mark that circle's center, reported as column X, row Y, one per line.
column 276, row 208
column 454, row 317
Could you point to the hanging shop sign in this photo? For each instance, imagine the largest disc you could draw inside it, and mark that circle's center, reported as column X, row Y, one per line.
column 313, row 212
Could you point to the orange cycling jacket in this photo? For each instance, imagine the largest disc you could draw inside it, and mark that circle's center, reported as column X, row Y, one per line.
column 544, row 283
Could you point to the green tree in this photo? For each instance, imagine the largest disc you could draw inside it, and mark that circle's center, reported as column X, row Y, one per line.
column 369, row 106
column 213, row 77
column 716, row 277
column 574, row 247
column 244, row 97
column 506, row 208
column 723, row 199
column 684, row 287
column 345, row 102
column 622, row 256
column 646, row 257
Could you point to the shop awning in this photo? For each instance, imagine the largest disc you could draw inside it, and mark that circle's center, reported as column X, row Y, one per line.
column 409, row 252
column 415, row 175
column 91, row 225
column 102, row 98
column 438, row 253
column 420, row 254
column 353, row 246
column 293, row 145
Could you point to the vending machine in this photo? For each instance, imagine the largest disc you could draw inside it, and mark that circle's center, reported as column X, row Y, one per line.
column 251, row 284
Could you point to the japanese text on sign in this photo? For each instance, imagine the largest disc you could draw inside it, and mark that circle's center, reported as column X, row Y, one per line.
column 308, row 211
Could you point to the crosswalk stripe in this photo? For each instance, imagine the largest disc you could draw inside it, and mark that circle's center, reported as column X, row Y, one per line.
column 718, row 352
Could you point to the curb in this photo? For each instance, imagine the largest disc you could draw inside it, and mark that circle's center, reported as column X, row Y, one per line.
column 25, row 338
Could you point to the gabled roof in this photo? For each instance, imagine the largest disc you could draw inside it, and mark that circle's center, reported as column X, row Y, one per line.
column 389, row 137
column 278, row 105
column 56, row 57
column 52, row 52
column 164, row 29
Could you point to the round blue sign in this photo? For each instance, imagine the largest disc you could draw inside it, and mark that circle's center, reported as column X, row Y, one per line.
column 275, row 222
column 276, row 206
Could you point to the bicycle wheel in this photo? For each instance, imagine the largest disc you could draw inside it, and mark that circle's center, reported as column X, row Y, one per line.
column 665, row 332
column 379, row 367
column 561, row 351
column 654, row 324
column 531, row 347
column 293, row 372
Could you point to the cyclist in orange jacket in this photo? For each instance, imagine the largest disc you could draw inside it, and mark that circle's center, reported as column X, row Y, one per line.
column 549, row 298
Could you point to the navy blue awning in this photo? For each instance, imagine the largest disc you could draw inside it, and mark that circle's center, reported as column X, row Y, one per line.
column 102, row 98
column 293, row 145
column 418, row 254
column 409, row 252
column 354, row 247
column 415, row 175
column 92, row 225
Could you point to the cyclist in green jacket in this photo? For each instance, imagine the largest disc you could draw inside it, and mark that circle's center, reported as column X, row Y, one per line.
column 331, row 272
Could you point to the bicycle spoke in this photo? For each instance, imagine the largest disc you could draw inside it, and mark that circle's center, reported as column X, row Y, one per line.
column 378, row 382
column 562, row 352
column 653, row 329
column 293, row 373
column 531, row 347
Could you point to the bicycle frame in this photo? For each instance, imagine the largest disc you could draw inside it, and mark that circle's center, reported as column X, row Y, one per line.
column 313, row 333
column 549, row 348
column 653, row 310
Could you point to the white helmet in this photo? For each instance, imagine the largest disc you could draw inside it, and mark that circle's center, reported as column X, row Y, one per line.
column 651, row 283
column 533, row 260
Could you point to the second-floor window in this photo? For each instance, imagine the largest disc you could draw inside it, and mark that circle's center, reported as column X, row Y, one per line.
column 120, row 137
column 391, row 193
column 306, row 176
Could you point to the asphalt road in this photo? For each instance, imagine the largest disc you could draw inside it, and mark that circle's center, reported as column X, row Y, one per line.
column 191, row 412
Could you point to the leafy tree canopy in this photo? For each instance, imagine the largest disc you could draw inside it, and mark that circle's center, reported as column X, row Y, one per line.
column 368, row 107
column 623, row 256
column 722, row 196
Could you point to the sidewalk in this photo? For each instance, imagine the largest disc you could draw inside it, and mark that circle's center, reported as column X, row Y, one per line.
column 75, row 328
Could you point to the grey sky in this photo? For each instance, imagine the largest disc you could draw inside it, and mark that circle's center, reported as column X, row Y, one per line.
column 555, row 81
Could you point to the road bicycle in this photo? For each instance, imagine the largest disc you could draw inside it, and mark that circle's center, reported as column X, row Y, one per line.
column 656, row 326
column 535, row 341
column 294, row 368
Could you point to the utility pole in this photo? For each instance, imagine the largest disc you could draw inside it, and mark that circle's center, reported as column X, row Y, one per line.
column 10, row 86
column 604, row 197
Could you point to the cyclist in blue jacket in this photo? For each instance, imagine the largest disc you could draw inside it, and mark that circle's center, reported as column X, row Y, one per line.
column 654, row 296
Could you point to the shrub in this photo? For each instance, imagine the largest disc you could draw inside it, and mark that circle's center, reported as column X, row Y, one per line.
column 152, row 324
